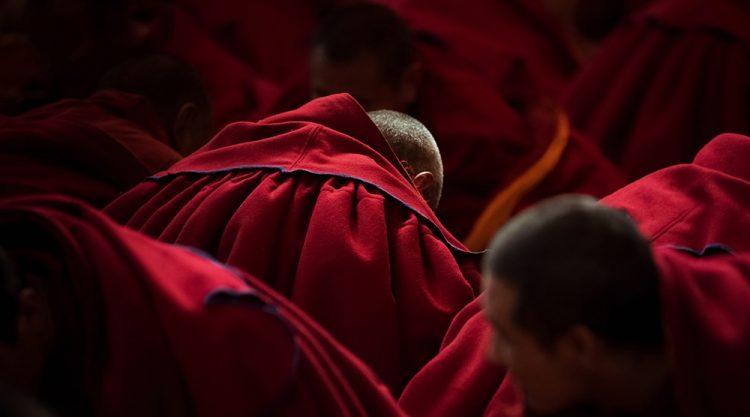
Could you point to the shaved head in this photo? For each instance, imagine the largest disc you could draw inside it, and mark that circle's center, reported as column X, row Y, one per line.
column 416, row 148
column 575, row 261
column 170, row 85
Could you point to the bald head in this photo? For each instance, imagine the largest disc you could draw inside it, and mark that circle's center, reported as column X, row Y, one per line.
column 416, row 149
column 176, row 93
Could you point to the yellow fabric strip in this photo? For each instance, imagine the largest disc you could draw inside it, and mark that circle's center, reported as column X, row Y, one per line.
column 500, row 208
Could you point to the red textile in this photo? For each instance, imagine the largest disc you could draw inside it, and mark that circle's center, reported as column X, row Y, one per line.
column 665, row 83
column 486, row 144
column 687, row 205
column 582, row 169
column 243, row 28
column 696, row 204
column 705, row 308
column 238, row 92
column 494, row 36
column 315, row 203
column 169, row 332
column 460, row 381
column 92, row 149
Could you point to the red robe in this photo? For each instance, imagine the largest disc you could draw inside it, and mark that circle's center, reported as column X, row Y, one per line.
column 167, row 331
column 486, row 144
column 91, row 149
column 690, row 206
column 237, row 91
column 495, row 36
column 665, row 83
column 315, row 203
column 696, row 204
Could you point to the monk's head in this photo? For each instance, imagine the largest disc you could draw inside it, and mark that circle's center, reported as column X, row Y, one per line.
column 572, row 294
column 365, row 50
column 176, row 93
column 417, row 150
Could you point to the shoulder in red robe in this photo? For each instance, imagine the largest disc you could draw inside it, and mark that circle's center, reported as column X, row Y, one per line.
column 691, row 206
column 166, row 331
column 92, row 149
column 695, row 204
column 315, row 203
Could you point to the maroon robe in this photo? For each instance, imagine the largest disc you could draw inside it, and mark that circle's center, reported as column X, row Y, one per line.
column 666, row 82
column 689, row 206
column 237, row 91
column 315, row 203
column 166, row 331
column 695, row 204
column 493, row 36
column 92, row 149
column 486, row 144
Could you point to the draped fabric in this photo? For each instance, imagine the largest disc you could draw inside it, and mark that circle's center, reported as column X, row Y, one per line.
column 667, row 81
column 486, row 143
column 315, row 203
column 688, row 206
column 705, row 302
column 695, row 204
column 237, row 91
column 92, row 149
column 495, row 37
column 167, row 331
column 460, row 380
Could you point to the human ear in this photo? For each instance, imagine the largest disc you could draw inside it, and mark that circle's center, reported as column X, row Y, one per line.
column 183, row 129
column 582, row 346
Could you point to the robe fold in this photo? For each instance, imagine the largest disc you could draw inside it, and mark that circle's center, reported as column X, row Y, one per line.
column 495, row 36
column 237, row 91
column 166, row 331
column 92, row 149
column 315, row 203
column 705, row 311
column 687, row 206
column 672, row 77
column 697, row 204
column 487, row 145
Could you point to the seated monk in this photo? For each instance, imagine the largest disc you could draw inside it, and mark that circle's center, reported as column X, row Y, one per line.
column 691, row 206
column 503, row 147
column 333, row 209
column 583, row 312
column 152, row 110
column 98, row 320
column 673, row 76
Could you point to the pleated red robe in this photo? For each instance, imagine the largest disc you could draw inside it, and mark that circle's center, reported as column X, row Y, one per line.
column 315, row 203
column 691, row 206
column 92, row 149
column 167, row 331
column 666, row 82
